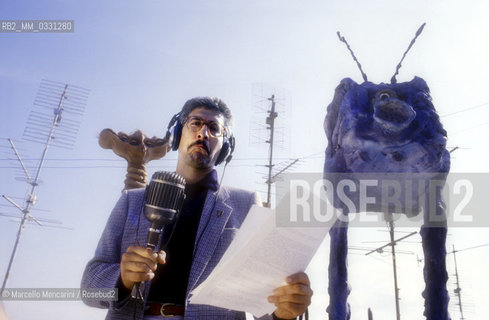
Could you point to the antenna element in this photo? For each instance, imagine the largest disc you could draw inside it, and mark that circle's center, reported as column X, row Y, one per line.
column 393, row 79
column 342, row 39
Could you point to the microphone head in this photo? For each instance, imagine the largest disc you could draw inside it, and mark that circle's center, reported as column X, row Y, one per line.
column 164, row 198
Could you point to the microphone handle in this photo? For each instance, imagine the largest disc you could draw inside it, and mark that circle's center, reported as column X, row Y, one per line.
column 138, row 288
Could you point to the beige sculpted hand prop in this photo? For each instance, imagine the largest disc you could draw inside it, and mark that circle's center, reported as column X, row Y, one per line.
column 137, row 149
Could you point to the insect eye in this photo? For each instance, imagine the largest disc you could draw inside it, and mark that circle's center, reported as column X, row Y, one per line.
column 384, row 96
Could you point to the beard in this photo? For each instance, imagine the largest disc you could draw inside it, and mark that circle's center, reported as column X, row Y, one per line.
column 199, row 155
column 199, row 160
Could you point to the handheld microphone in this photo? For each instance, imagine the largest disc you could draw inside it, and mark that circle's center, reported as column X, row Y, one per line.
column 162, row 204
column 163, row 201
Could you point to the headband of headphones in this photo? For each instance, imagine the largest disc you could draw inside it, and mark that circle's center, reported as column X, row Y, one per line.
column 174, row 133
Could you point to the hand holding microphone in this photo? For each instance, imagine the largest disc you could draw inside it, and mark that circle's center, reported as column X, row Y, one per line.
column 138, row 264
column 163, row 201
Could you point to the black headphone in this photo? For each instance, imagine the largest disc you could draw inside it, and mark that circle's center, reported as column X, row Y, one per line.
column 174, row 133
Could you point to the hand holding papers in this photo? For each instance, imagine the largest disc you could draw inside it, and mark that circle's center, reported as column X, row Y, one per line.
column 258, row 260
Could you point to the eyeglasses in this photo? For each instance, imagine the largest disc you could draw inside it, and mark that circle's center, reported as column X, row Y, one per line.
column 195, row 124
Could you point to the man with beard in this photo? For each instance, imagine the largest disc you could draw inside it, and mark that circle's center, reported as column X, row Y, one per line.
column 208, row 221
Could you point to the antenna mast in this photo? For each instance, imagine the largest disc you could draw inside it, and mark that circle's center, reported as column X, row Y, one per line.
column 270, row 102
column 47, row 98
column 392, row 244
column 458, row 290
column 271, row 123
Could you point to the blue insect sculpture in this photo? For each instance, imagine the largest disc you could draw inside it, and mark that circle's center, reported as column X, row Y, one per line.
column 380, row 129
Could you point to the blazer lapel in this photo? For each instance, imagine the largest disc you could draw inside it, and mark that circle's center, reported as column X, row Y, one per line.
column 211, row 225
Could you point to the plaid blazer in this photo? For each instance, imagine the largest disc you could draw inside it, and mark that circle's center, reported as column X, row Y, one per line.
column 127, row 226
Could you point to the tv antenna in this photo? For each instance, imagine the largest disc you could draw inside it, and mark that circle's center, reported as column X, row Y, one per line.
column 272, row 177
column 51, row 126
column 458, row 290
column 271, row 123
column 271, row 133
column 392, row 244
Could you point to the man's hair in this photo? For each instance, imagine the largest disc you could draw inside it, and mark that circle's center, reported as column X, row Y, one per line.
column 210, row 103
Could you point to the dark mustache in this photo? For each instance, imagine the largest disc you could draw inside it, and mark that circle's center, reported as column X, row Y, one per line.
column 202, row 143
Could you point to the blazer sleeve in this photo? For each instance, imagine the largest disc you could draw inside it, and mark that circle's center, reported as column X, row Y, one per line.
column 103, row 271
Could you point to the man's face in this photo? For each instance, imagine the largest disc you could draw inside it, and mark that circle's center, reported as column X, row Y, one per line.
column 200, row 149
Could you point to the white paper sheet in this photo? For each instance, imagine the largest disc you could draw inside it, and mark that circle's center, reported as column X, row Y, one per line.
column 258, row 260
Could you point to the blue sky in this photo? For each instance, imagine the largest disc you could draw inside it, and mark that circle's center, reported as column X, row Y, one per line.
column 143, row 60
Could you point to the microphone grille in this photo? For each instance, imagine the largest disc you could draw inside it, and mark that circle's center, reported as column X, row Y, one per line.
column 169, row 184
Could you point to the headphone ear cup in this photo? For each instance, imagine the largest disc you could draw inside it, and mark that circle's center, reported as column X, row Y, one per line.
column 232, row 144
column 176, row 135
column 226, row 151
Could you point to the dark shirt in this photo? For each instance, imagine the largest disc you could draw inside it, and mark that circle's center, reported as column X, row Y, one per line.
column 171, row 279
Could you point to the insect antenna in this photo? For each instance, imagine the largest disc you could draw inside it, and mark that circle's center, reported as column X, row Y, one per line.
column 420, row 29
column 342, row 39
